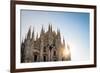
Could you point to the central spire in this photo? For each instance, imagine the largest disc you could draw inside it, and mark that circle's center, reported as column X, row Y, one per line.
column 50, row 28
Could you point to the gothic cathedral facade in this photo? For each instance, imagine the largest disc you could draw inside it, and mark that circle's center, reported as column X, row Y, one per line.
column 45, row 47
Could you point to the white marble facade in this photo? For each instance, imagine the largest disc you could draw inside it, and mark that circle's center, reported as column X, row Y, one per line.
column 45, row 47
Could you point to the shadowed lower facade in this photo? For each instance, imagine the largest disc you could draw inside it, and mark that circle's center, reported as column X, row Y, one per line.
column 44, row 47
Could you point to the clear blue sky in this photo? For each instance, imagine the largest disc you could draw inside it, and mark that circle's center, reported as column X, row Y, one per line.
column 74, row 27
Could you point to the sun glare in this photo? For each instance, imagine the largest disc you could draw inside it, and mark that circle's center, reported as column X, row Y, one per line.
column 66, row 51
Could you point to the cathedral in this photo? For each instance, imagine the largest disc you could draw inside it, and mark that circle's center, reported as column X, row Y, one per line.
column 45, row 47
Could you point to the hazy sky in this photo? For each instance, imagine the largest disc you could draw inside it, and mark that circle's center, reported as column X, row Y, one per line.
column 74, row 27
